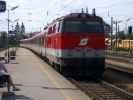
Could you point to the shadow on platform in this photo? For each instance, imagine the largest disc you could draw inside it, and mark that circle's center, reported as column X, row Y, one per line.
column 13, row 96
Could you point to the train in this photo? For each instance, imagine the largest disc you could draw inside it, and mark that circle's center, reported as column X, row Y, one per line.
column 123, row 44
column 73, row 44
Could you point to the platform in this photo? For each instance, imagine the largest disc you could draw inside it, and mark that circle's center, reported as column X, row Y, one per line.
column 38, row 81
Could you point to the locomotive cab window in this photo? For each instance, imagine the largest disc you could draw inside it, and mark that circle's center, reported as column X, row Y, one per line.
column 83, row 26
column 60, row 27
column 50, row 30
column 54, row 28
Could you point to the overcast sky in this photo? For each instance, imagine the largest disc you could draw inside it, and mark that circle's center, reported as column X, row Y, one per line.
column 36, row 13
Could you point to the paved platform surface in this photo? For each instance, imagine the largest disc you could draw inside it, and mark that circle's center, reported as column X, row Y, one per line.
column 38, row 81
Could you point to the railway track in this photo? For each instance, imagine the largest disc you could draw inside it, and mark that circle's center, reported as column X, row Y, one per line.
column 102, row 90
column 119, row 68
column 120, row 59
column 119, row 53
column 120, row 77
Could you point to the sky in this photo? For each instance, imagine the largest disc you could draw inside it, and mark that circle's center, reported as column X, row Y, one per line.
column 35, row 14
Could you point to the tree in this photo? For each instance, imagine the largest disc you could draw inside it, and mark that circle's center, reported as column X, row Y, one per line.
column 17, row 32
column 22, row 28
column 3, row 39
column 17, row 28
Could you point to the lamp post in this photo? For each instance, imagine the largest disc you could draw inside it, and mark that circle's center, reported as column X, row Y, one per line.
column 117, row 31
column 111, row 33
column 8, row 19
column 117, row 27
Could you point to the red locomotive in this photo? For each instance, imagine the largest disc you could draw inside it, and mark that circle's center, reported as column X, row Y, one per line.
column 73, row 44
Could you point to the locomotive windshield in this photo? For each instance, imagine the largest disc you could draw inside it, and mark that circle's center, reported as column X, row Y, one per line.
column 83, row 26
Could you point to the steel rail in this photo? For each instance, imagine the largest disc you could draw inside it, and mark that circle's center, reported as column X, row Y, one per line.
column 103, row 90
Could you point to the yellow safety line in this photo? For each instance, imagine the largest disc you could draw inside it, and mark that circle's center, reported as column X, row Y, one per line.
column 55, row 82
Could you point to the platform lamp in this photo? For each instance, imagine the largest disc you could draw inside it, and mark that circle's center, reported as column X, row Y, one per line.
column 8, row 19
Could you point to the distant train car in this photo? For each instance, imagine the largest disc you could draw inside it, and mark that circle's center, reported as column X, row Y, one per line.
column 121, row 44
column 34, row 43
column 126, row 44
column 74, row 44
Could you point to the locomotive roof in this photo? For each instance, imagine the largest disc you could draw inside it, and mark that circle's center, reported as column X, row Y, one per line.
column 74, row 16
column 78, row 15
